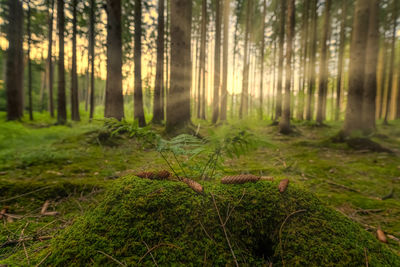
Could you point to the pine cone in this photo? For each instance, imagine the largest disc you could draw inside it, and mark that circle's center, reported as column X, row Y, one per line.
column 240, row 179
column 283, row 185
column 160, row 175
column 194, row 185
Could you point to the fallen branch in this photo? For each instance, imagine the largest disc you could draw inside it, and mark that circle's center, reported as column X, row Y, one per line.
column 224, row 229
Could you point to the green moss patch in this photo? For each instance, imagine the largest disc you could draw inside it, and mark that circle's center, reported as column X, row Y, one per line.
column 180, row 227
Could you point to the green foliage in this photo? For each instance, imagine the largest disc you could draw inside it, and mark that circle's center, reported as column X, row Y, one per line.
column 182, row 227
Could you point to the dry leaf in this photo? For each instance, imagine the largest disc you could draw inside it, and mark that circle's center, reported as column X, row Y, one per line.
column 381, row 236
column 283, row 185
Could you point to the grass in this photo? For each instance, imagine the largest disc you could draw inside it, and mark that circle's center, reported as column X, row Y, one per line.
column 72, row 167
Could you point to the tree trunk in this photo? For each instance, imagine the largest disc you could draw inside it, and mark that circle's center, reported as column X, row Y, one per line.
column 370, row 83
column 50, row 61
column 29, row 63
column 178, row 109
column 159, row 82
column 342, row 47
column 353, row 120
column 74, row 75
column 15, row 61
column 138, row 92
column 217, row 61
column 284, row 123
column 262, row 60
column 203, row 37
column 114, row 107
column 92, row 45
column 391, row 62
column 302, row 84
column 61, row 99
column 225, row 54
column 311, row 72
column 278, row 105
column 244, row 109
column 323, row 71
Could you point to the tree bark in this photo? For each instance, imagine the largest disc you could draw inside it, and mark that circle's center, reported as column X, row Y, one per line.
column 225, row 54
column 342, row 47
column 203, row 37
column 284, row 123
column 159, row 82
column 74, row 75
column 29, row 62
column 311, row 71
column 92, row 45
column 370, row 83
column 50, row 61
column 217, row 61
column 353, row 120
column 114, row 107
column 61, row 99
column 261, row 108
column 178, row 108
column 138, row 92
column 278, row 104
column 391, row 62
column 244, row 104
column 323, row 71
column 15, row 61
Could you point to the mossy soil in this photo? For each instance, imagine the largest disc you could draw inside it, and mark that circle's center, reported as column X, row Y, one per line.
column 73, row 168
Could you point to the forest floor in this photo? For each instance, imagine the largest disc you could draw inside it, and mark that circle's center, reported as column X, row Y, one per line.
column 72, row 165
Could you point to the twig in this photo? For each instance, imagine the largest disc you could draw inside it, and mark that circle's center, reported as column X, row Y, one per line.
column 366, row 257
column 40, row 263
column 343, row 186
column 155, row 247
column 206, row 166
column 231, row 211
column 111, row 258
column 15, row 242
column 151, row 254
column 223, row 228
column 179, row 164
column 205, row 231
column 26, row 194
column 169, row 165
column 280, row 231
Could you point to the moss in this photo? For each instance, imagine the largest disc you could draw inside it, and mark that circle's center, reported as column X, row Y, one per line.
column 136, row 213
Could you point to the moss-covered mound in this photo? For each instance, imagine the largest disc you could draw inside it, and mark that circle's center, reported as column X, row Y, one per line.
column 142, row 221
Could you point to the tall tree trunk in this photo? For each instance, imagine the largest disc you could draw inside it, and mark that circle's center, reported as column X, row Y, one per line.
column 284, row 123
column 244, row 104
column 278, row 105
column 74, row 74
column 159, row 82
column 29, row 63
column 383, row 79
column 15, row 61
column 311, row 71
column 114, row 107
column 50, row 61
column 178, row 109
column 262, row 60
column 391, row 62
column 370, row 83
column 342, row 46
column 225, row 52
column 304, row 65
column 203, row 37
column 92, row 45
column 323, row 71
column 138, row 92
column 61, row 99
column 353, row 120
column 217, row 62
